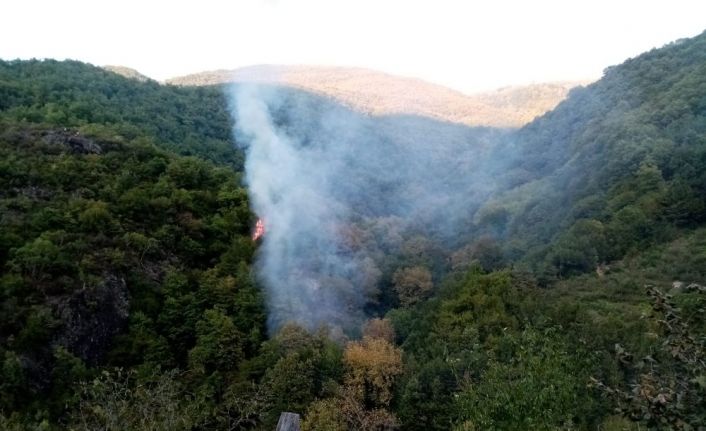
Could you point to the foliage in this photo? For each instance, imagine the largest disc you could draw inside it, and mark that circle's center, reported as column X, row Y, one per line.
column 125, row 252
column 324, row 415
column 669, row 390
column 412, row 284
column 112, row 402
column 540, row 386
column 362, row 401
column 185, row 120
column 117, row 253
column 372, row 364
column 609, row 171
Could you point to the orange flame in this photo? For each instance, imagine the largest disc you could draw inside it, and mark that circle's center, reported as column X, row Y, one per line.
column 259, row 230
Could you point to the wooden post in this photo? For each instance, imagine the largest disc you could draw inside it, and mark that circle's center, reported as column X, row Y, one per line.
column 288, row 422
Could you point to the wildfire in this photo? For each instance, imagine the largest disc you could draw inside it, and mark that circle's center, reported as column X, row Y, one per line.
column 259, row 230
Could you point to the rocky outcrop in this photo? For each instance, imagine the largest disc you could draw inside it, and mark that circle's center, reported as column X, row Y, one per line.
column 76, row 143
column 91, row 317
column 288, row 422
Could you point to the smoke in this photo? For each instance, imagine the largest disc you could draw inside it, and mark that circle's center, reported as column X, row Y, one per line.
column 339, row 191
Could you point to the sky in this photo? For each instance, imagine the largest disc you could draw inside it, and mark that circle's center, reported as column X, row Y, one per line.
column 467, row 45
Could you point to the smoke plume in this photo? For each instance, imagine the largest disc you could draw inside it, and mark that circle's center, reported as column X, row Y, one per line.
column 339, row 191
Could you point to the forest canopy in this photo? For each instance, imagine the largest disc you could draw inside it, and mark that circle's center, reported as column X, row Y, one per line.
column 572, row 298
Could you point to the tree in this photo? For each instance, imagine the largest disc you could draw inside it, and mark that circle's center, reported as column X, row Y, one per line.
column 363, row 402
column 628, row 228
column 669, row 387
column 219, row 344
column 116, row 401
column 580, row 249
column 324, row 415
column 36, row 257
column 539, row 388
column 96, row 216
column 291, row 384
column 412, row 284
column 372, row 365
column 487, row 253
column 682, row 205
column 379, row 328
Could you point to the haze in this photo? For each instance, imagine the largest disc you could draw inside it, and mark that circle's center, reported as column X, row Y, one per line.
column 469, row 46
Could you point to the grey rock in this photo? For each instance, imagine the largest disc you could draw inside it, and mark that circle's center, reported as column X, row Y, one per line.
column 76, row 143
column 288, row 422
column 92, row 316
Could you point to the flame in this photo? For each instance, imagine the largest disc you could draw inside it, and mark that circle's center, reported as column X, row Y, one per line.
column 259, row 230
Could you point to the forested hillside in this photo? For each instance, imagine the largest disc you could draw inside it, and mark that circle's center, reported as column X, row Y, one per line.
column 622, row 159
column 571, row 297
column 187, row 121
column 116, row 253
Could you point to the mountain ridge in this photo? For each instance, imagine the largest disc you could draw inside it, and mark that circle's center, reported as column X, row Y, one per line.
column 127, row 72
column 378, row 93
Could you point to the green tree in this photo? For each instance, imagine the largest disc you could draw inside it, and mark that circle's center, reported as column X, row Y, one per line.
column 541, row 387
column 219, row 344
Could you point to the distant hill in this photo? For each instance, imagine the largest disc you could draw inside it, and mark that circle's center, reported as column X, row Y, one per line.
column 128, row 72
column 380, row 93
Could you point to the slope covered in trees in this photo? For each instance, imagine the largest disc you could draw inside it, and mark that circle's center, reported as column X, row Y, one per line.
column 188, row 121
column 622, row 158
column 116, row 252
column 572, row 297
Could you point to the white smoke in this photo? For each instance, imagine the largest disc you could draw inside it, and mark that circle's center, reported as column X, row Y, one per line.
column 318, row 172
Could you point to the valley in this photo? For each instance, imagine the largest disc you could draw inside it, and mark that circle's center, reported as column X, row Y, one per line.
column 367, row 251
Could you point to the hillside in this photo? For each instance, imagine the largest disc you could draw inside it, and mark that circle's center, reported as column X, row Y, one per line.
column 379, row 93
column 620, row 155
column 127, row 72
column 414, row 273
column 602, row 202
column 188, row 121
column 106, row 242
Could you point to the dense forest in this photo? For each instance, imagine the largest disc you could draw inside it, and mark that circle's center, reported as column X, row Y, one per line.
column 572, row 298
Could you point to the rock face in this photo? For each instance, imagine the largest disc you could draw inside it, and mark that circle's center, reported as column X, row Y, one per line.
column 76, row 143
column 288, row 422
column 92, row 317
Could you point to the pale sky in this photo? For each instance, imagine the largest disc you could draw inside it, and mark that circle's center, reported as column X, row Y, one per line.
column 468, row 45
